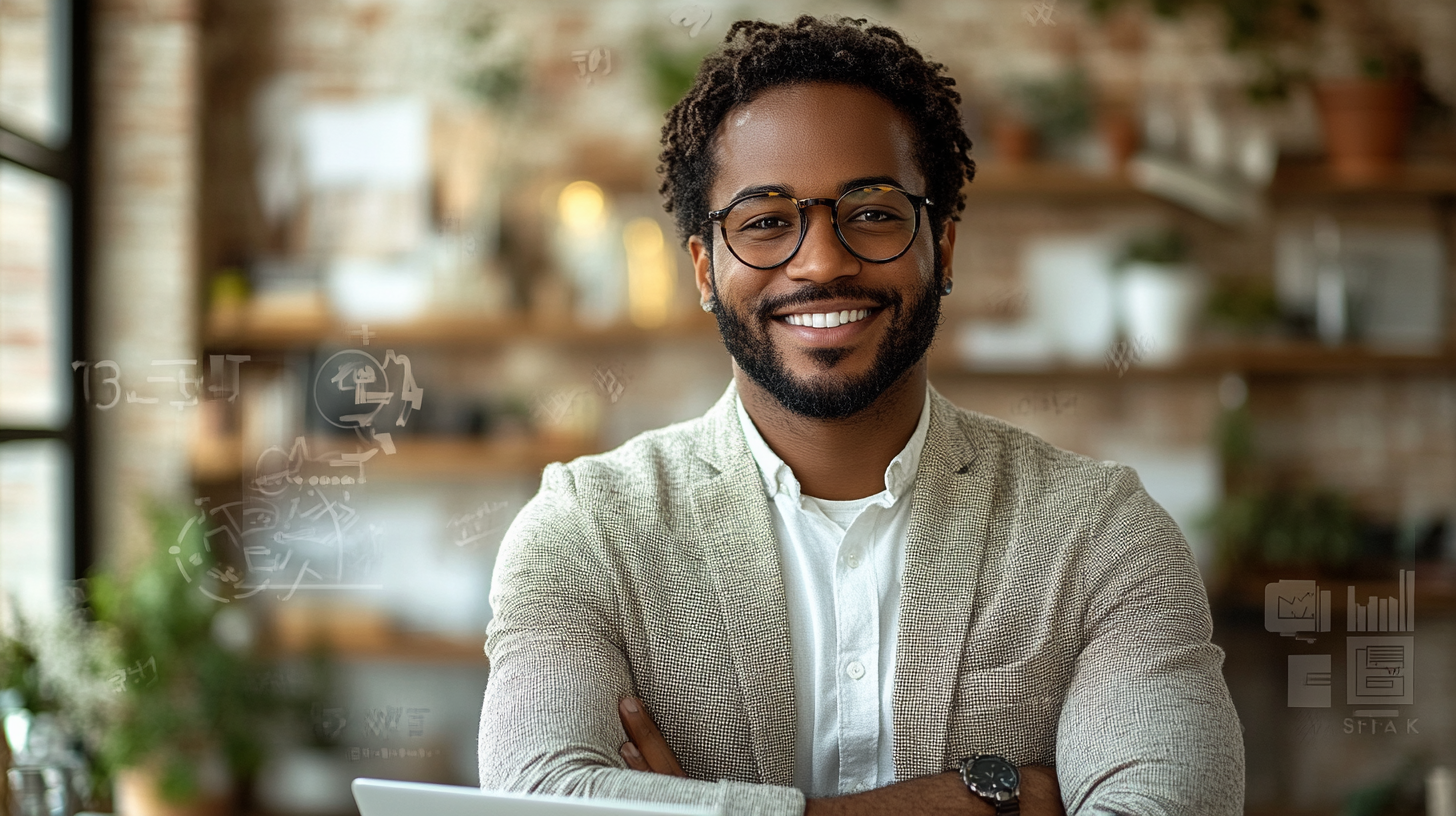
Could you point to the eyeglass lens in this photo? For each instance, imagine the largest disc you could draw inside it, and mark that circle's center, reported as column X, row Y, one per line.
column 876, row 223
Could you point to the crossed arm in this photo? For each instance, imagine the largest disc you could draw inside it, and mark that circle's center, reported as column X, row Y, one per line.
column 943, row 793
column 1147, row 726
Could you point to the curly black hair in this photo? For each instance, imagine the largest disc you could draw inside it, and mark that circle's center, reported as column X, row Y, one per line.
column 757, row 56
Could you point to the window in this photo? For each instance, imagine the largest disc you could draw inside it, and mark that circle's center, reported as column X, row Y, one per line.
column 43, row 477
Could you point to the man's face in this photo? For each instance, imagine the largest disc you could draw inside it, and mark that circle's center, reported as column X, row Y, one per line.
column 816, row 141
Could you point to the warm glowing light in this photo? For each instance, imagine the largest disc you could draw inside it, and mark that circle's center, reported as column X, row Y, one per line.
column 582, row 207
column 650, row 273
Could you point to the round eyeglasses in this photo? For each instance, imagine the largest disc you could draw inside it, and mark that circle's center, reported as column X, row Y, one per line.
column 877, row 224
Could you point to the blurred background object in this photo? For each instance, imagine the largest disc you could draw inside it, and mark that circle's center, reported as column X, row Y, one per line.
column 339, row 278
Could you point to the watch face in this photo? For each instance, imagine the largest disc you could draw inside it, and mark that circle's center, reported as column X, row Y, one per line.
column 992, row 774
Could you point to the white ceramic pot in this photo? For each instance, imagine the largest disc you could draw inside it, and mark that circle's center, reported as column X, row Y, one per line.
column 395, row 291
column 1158, row 304
column 1072, row 294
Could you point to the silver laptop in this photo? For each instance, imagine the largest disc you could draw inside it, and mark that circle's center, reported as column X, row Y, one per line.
column 382, row 797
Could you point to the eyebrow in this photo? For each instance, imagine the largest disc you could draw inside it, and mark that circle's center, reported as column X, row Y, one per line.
column 784, row 189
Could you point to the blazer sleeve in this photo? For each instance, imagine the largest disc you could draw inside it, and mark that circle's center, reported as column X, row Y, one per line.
column 1147, row 727
column 549, row 723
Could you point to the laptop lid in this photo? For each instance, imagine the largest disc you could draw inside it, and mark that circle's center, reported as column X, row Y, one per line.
column 383, row 797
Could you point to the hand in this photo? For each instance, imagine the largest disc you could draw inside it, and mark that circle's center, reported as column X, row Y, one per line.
column 645, row 749
column 943, row 794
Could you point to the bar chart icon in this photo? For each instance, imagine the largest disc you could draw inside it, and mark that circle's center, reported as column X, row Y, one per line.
column 1388, row 614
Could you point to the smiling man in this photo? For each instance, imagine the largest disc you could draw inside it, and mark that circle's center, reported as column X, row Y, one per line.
column 836, row 592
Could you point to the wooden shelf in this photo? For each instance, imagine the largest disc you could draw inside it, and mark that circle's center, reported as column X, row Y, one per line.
column 262, row 334
column 1250, row 358
column 418, row 648
column 443, row 458
column 416, row 459
column 1041, row 180
column 1294, row 177
column 405, row 647
column 347, row 630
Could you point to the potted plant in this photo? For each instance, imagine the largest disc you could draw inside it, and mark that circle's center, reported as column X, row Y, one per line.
column 1272, row 36
column 1118, row 127
column 161, row 684
column 1046, row 115
column 1286, row 526
column 1159, row 294
column 1367, row 99
column 1365, row 76
column 45, row 769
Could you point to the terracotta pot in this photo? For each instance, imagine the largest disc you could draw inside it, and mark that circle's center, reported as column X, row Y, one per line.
column 1120, row 134
column 136, row 794
column 1015, row 141
column 1365, row 124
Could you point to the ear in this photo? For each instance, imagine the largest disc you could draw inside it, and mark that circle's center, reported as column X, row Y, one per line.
column 701, row 267
column 947, row 248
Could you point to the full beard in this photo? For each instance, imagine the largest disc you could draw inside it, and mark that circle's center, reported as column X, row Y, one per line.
column 910, row 334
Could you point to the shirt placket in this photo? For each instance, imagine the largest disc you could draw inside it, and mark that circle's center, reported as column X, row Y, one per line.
column 856, row 600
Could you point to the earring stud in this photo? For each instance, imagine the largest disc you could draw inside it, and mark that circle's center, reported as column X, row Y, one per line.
column 707, row 305
column 949, row 284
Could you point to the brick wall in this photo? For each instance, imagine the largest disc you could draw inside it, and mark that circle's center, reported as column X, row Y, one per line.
column 144, row 275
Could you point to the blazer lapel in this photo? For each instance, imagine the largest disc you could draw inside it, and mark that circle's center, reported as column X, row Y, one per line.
column 943, row 550
column 731, row 516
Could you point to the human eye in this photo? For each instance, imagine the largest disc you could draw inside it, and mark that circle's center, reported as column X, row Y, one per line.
column 875, row 214
column 765, row 222
column 763, row 215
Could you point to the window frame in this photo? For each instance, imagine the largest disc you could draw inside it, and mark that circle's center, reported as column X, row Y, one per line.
column 70, row 165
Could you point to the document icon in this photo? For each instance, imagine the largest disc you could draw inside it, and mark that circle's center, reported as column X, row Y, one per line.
column 1309, row 681
column 1379, row 670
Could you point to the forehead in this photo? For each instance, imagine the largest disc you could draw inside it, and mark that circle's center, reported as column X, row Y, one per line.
column 811, row 138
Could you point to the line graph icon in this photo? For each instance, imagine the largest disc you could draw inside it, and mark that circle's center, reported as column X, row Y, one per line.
column 1292, row 607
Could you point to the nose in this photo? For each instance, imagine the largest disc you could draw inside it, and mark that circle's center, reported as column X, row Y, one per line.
column 822, row 257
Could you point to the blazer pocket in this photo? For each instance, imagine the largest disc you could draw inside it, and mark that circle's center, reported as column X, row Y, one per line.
column 1008, row 710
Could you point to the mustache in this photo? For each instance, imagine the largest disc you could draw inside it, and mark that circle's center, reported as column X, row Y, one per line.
column 814, row 293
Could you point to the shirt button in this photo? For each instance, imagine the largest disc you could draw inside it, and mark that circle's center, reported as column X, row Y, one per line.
column 852, row 560
column 856, row 671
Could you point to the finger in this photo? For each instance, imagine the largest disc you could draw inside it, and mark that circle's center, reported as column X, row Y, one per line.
column 647, row 739
column 634, row 758
column 643, row 731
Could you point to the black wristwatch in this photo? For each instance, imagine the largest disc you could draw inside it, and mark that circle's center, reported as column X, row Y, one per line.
column 993, row 779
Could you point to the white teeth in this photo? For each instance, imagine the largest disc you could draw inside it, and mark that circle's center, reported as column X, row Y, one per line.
column 827, row 320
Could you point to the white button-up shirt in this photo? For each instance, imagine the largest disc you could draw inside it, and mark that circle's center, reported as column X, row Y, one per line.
column 842, row 562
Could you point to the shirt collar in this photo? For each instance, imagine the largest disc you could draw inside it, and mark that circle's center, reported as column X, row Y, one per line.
column 777, row 476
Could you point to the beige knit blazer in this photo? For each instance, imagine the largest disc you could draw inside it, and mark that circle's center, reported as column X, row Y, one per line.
column 1051, row 612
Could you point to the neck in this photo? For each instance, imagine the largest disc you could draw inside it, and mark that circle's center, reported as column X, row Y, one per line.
column 839, row 459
